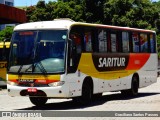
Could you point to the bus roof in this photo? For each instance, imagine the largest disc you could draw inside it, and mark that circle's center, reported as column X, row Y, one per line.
column 55, row 24
column 67, row 23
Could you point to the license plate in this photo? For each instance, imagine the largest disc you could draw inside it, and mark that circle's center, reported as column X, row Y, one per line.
column 32, row 89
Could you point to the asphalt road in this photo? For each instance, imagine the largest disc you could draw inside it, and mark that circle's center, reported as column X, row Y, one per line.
column 148, row 99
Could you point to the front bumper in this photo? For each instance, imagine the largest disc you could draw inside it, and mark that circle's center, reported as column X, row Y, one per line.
column 55, row 92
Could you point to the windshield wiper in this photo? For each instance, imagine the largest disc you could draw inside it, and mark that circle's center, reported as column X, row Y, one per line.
column 20, row 68
column 41, row 67
column 32, row 58
column 37, row 64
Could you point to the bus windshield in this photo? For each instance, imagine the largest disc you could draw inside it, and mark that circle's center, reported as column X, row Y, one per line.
column 39, row 51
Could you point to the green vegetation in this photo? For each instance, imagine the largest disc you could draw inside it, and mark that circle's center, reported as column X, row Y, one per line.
column 6, row 33
column 132, row 13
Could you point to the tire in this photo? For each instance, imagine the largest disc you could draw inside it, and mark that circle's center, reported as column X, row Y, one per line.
column 87, row 93
column 38, row 101
column 134, row 88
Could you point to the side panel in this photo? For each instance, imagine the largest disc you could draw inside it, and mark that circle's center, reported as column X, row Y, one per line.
column 148, row 73
column 114, row 71
column 102, row 66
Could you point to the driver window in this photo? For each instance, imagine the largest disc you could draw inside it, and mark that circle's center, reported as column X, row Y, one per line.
column 75, row 48
column 77, row 41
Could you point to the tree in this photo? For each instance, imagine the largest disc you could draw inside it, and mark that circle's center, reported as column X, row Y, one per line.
column 40, row 12
column 6, row 33
column 132, row 13
column 67, row 10
column 30, row 14
column 93, row 10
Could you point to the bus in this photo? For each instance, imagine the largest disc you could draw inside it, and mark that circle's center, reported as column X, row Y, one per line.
column 67, row 59
column 4, row 52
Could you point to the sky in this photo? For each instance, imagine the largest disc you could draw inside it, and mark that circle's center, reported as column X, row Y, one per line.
column 33, row 2
column 28, row 2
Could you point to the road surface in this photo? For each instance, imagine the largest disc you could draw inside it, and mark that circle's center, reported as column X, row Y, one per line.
column 148, row 99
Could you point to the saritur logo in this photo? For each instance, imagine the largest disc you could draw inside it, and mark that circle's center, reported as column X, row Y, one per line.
column 110, row 61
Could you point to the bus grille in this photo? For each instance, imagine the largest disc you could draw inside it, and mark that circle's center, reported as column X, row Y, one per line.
column 35, row 85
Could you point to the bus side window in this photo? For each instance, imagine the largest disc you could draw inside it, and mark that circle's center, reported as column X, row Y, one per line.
column 125, row 42
column 113, row 42
column 102, row 38
column 144, row 43
column 135, row 42
column 87, row 38
column 95, row 41
column 152, row 43
column 77, row 40
column 130, row 42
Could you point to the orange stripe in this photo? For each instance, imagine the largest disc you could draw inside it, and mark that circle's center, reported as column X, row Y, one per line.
column 38, row 81
column 137, row 61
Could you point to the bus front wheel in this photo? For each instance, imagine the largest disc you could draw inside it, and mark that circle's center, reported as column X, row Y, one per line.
column 38, row 101
column 87, row 94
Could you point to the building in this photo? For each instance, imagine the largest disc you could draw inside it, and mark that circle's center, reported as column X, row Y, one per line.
column 9, row 3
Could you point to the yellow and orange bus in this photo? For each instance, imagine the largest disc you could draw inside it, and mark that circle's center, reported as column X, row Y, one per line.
column 4, row 52
column 67, row 59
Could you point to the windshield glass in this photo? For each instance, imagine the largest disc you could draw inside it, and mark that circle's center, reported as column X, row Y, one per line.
column 41, row 51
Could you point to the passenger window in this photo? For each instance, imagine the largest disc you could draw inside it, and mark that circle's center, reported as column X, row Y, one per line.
column 113, row 42
column 77, row 40
column 135, row 41
column 102, row 38
column 88, row 41
column 144, row 42
column 152, row 43
column 125, row 41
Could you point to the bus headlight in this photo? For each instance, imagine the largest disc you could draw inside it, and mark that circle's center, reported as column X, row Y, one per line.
column 55, row 84
column 12, row 83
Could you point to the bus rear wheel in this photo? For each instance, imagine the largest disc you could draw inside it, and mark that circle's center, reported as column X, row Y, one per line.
column 134, row 88
column 38, row 101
